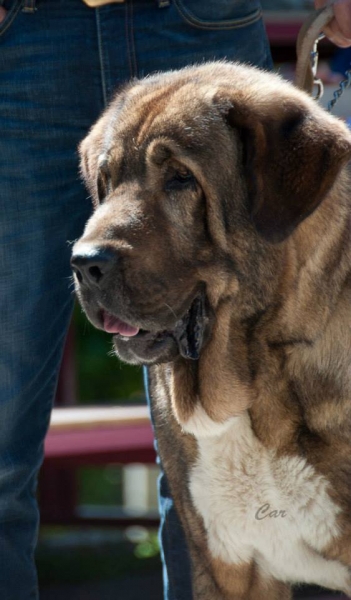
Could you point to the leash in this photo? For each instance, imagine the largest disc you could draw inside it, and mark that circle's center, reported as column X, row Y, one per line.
column 307, row 57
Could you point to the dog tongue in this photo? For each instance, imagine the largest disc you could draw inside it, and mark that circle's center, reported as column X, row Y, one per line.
column 114, row 325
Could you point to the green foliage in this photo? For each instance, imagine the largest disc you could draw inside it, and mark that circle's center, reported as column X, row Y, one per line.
column 148, row 548
column 100, row 485
column 61, row 561
column 101, row 376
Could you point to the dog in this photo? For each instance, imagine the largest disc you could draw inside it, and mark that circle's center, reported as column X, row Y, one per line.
column 219, row 255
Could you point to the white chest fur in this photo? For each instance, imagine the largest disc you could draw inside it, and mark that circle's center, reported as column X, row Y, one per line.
column 258, row 507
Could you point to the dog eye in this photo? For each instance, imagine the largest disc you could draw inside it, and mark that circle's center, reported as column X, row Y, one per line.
column 180, row 180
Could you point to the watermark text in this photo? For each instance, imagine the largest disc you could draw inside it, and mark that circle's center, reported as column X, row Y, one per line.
column 266, row 512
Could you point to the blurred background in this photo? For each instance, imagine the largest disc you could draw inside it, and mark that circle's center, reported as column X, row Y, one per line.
column 97, row 492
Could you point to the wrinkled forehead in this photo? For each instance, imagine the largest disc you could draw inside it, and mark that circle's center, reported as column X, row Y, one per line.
column 179, row 114
column 180, row 118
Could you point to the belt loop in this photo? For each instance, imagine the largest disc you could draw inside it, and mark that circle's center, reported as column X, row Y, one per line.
column 29, row 6
column 163, row 3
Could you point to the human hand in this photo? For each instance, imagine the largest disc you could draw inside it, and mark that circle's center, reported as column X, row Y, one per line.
column 3, row 12
column 339, row 29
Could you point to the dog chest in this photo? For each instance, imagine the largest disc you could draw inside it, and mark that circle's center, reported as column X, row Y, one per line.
column 276, row 511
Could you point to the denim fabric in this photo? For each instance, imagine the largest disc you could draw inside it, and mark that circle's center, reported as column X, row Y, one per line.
column 59, row 65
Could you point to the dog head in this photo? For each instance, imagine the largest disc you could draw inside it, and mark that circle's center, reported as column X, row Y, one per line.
column 195, row 176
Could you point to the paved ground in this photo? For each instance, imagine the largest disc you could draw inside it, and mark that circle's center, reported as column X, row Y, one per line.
column 145, row 587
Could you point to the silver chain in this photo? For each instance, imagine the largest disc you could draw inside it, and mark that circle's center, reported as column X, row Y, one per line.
column 314, row 64
column 344, row 84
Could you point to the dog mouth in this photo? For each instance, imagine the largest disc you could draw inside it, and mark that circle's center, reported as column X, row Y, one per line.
column 190, row 331
column 139, row 346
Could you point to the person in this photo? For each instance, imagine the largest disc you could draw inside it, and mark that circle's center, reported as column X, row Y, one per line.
column 60, row 62
column 341, row 62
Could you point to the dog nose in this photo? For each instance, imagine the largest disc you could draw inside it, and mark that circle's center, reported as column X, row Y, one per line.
column 92, row 264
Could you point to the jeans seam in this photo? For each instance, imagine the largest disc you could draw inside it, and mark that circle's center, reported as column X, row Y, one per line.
column 101, row 56
column 170, row 574
column 217, row 25
column 130, row 39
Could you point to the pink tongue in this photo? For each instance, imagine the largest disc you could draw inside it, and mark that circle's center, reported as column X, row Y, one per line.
column 114, row 325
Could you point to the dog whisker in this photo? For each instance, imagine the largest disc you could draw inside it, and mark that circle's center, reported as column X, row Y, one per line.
column 171, row 309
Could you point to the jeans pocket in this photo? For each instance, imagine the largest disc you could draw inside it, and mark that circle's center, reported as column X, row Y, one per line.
column 219, row 14
column 12, row 8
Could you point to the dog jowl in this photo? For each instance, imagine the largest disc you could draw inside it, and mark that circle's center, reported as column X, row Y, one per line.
column 219, row 254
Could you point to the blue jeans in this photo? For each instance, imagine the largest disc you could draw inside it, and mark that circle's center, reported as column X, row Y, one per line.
column 59, row 65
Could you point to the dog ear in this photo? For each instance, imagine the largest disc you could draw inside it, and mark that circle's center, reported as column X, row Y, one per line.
column 292, row 154
column 95, row 148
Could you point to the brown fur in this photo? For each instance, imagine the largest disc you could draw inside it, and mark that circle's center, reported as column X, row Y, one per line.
column 266, row 229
